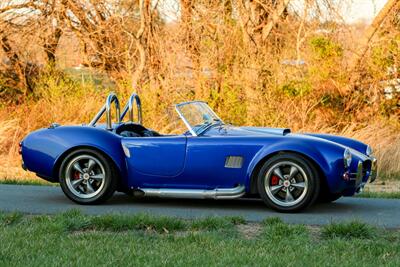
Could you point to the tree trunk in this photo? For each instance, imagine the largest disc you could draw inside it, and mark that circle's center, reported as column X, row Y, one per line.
column 273, row 20
column 369, row 34
column 51, row 45
column 16, row 65
column 258, row 18
column 190, row 39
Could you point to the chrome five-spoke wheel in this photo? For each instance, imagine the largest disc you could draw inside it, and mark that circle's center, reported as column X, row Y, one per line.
column 288, row 182
column 87, row 177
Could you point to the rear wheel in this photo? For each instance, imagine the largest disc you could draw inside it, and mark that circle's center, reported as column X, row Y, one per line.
column 288, row 182
column 87, row 177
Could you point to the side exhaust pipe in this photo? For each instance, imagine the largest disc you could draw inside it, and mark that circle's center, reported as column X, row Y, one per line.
column 222, row 193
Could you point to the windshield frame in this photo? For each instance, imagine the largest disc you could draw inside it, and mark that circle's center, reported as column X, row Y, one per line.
column 186, row 122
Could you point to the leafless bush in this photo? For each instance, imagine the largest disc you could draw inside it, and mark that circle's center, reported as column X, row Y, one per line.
column 274, row 63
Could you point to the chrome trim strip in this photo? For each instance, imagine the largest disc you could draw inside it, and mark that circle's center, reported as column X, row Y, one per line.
column 126, row 151
column 218, row 193
column 177, row 106
column 184, row 120
column 190, row 102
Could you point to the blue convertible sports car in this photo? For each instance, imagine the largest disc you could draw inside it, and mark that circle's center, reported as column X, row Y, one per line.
column 211, row 160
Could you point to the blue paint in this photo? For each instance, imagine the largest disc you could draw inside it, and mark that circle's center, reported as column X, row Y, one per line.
column 195, row 162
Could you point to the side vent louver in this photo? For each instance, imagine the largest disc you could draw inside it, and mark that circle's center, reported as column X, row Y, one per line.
column 234, row 162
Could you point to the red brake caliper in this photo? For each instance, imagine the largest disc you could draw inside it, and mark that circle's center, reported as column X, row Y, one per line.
column 274, row 180
column 76, row 175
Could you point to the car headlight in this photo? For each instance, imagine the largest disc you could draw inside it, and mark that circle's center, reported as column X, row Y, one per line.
column 369, row 151
column 347, row 157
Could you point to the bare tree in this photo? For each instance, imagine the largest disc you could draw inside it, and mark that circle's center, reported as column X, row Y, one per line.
column 370, row 33
column 17, row 21
column 258, row 18
column 281, row 6
column 190, row 38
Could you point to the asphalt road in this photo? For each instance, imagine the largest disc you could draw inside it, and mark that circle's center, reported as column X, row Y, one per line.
column 49, row 200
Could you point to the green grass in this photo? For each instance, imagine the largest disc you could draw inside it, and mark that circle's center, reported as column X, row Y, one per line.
column 272, row 221
column 74, row 239
column 369, row 194
column 216, row 223
column 26, row 182
column 354, row 229
column 10, row 218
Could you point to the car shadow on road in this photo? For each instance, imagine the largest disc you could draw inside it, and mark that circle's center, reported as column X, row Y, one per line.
column 248, row 204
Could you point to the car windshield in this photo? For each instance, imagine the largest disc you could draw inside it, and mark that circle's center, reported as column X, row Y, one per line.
column 197, row 116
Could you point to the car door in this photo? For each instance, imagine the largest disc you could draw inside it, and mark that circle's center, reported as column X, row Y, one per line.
column 216, row 161
column 154, row 158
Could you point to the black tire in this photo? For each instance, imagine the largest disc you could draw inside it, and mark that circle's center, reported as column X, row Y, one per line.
column 327, row 197
column 307, row 176
column 105, row 169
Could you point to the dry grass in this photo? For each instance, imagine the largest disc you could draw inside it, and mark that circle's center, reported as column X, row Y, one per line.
column 64, row 101
column 246, row 83
column 385, row 140
column 18, row 121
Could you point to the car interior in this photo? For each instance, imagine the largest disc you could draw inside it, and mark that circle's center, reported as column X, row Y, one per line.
column 132, row 129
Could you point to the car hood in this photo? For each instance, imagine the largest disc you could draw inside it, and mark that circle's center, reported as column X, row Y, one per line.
column 229, row 130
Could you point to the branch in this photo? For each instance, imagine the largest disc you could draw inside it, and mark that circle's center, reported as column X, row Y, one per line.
column 370, row 32
column 274, row 20
column 29, row 4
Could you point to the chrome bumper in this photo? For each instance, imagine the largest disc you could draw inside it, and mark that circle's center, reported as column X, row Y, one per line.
column 359, row 175
column 362, row 173
column 358, row 178
column 374, row 170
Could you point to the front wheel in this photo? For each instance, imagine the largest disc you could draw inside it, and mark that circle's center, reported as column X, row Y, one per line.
column 288, row 182
column 87, row 177
column 328, row 197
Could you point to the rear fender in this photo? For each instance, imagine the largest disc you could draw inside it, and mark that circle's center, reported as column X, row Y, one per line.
column 44, row 150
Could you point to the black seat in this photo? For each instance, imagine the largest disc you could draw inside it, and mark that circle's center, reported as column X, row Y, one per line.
column 134, row 130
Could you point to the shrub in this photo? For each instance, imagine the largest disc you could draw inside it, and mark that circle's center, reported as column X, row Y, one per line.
column 10, row 218
column 354, row 229
column 212, row 223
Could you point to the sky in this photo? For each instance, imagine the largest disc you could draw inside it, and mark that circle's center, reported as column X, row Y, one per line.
column 351, row 10
column 362, row 10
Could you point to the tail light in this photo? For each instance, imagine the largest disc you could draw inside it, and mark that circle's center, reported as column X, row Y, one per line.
column 20, row 148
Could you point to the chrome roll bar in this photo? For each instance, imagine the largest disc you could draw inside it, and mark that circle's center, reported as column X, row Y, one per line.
column 111, row 98
column 129, row 108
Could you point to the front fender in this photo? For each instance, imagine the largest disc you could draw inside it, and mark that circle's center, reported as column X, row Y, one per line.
column 349, row 142
column 327, row 156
